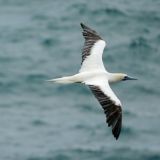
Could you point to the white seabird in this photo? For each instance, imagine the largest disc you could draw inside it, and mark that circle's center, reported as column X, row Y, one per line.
column 93, row 74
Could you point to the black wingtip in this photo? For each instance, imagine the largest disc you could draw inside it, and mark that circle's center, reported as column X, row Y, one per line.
column 116, row 136
column 82, row 25
column 116, row 132
column 89, row 30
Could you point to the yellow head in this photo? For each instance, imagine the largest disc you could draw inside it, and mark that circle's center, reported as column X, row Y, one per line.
column 116, row 77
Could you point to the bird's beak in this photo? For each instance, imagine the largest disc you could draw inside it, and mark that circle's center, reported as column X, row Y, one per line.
column 130, row 78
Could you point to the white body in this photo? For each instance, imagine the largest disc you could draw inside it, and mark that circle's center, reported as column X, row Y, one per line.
column 83, row 77
column 93, row 72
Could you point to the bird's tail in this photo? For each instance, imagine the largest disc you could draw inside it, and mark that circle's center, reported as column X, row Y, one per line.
column 63, row 80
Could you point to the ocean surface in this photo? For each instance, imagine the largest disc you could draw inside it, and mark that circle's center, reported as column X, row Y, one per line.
column 40, row 40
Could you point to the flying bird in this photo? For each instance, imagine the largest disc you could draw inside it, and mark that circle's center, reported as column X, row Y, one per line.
column 93, row 74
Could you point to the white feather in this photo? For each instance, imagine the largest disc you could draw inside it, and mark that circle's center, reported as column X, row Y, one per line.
column 94, row 60
column 102, row 83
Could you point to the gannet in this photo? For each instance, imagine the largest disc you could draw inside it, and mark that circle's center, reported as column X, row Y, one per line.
column 93, row 74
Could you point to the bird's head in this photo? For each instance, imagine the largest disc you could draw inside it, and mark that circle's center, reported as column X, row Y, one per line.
column 116, row 77
column 124, row 77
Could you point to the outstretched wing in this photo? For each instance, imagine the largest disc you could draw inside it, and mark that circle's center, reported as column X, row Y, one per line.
column 109, row 102
column 92, row 50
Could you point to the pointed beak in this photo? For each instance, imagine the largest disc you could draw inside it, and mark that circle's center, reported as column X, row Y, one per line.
column 130, row 78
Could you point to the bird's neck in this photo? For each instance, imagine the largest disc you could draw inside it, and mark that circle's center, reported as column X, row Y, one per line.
column 114, row 77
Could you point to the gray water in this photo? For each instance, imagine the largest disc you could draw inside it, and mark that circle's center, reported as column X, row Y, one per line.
column 41, row 39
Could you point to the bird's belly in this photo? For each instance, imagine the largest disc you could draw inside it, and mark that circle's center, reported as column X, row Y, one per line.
column 85, row 76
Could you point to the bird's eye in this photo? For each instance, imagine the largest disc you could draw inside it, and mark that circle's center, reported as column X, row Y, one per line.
column 125, row 78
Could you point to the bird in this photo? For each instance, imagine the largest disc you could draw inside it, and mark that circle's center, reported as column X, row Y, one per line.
column 94, row 75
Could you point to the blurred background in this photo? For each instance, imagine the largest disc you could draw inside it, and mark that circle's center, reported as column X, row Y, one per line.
column 40, row 40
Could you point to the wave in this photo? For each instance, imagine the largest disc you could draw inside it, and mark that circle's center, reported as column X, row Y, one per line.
column 39, row 122
column 114, row 12
column 139, row 42
column 147, row 89
column 124, row 153
column 49, row 42
column 128, row 131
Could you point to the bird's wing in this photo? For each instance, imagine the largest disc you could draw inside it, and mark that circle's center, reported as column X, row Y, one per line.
column 110, row 103
column 92, row 50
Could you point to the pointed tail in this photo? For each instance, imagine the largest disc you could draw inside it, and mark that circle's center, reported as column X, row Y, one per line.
column 63, row 80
